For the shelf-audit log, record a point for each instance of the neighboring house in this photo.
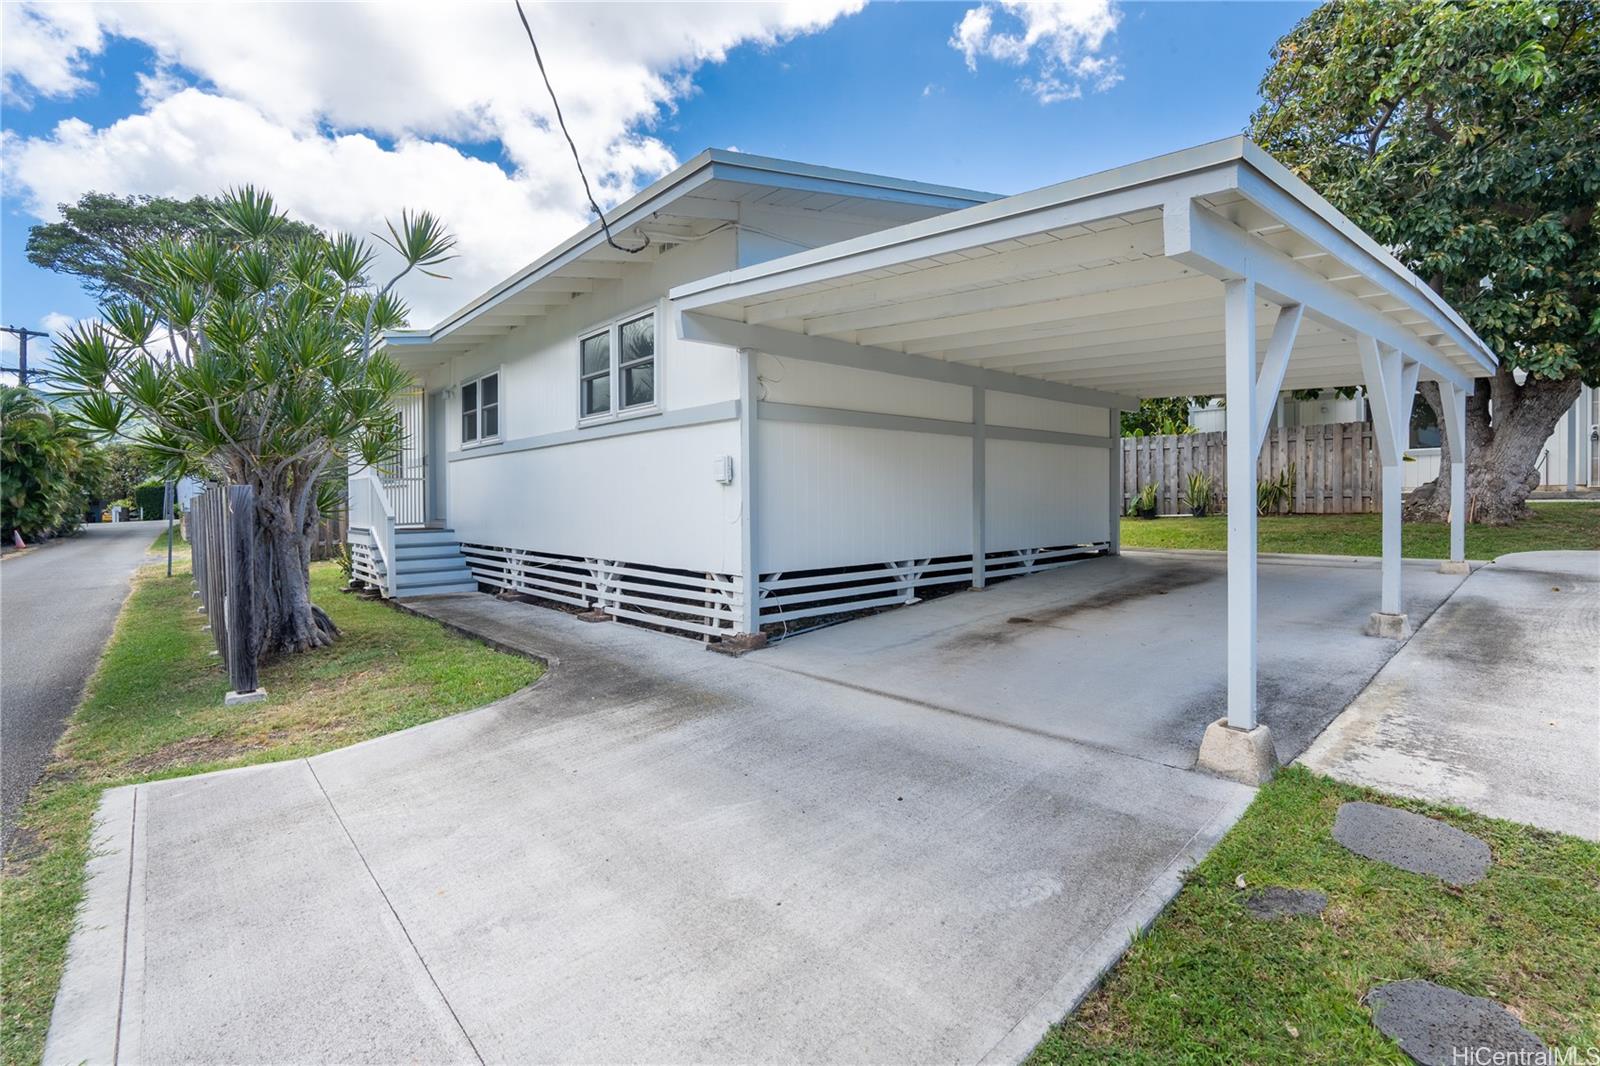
(855, 387)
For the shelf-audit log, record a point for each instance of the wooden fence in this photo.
(1336, 467)
(222, 532)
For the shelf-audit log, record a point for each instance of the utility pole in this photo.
(22, 334)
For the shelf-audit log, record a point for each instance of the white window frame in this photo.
(499, 405)
(612, 327)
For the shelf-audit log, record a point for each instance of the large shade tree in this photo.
(1463, 136)
(253, 359)
(96, 236)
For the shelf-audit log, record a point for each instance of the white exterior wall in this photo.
(647, 497)
(846, 495)
(1041, 495)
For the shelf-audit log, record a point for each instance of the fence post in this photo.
(239, 524)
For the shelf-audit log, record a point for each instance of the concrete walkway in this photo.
(1494, 705)
(58, 603)
(654, 854)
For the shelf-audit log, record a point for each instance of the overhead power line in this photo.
(604, 225)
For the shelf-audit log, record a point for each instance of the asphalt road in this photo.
(57, 607)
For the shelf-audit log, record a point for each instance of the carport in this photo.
(1212, 270)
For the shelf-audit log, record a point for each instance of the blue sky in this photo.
(882, 89)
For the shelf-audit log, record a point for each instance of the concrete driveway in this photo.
(661, 854)
(1494, 705)
(1127, 653)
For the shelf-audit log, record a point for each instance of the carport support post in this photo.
(749, 398)
(1239, 324)
(1391, 382)
(1238, 746)
(1114, 539)
(980, 471)
(1455, 427)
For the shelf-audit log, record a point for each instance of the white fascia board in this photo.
(1208, 242)
(1095, 196)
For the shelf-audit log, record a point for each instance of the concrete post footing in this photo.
(1455, 566)
(1243, 755)
(1388, 626)
(595, 615)
(739, 644)
(234, 699)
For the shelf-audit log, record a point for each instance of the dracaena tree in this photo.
(1463, 135)
(254, 358)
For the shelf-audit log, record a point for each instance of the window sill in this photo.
(618, 416)
(484, 442)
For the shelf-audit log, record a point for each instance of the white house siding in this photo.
(798, 381)
(1043, 495)
(1032, 412)
(832, 496)
(645, 498)
(1552, 462)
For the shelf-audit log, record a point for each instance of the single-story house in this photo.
(786, 391)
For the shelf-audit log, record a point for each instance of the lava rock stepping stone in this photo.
(1439, 1026)
(1270, 904)
(1411, 842)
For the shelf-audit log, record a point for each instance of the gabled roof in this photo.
(701, 195)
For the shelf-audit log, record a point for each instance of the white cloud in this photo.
(346, 111)
(1065, 39)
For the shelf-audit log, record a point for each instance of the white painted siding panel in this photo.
(642, 498)
(1031, 412)
(823, 385)
(1045, 494)
(839, 495)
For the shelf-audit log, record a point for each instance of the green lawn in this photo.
(1553, 525)
(1207, 984)
(154, 709)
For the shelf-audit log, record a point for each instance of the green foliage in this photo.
(247, 354)
(45, 467)
(1146, 503)
(1461, 135)
(98, 235)
(1200, 494)
(123, 469)
(1159, 416)
(151, 499)
(1276, 494)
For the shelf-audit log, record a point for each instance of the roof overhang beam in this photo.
(709, 329)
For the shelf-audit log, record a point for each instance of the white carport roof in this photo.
(1210, 270)
(1112, 282)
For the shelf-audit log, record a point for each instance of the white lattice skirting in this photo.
(708, 604)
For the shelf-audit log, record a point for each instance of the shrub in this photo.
(44, 462)
(151, 498)
(1276, 493)
(1145, 503)
(1201, 494)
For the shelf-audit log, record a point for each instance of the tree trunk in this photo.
(287, 620)
(1507, 424)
